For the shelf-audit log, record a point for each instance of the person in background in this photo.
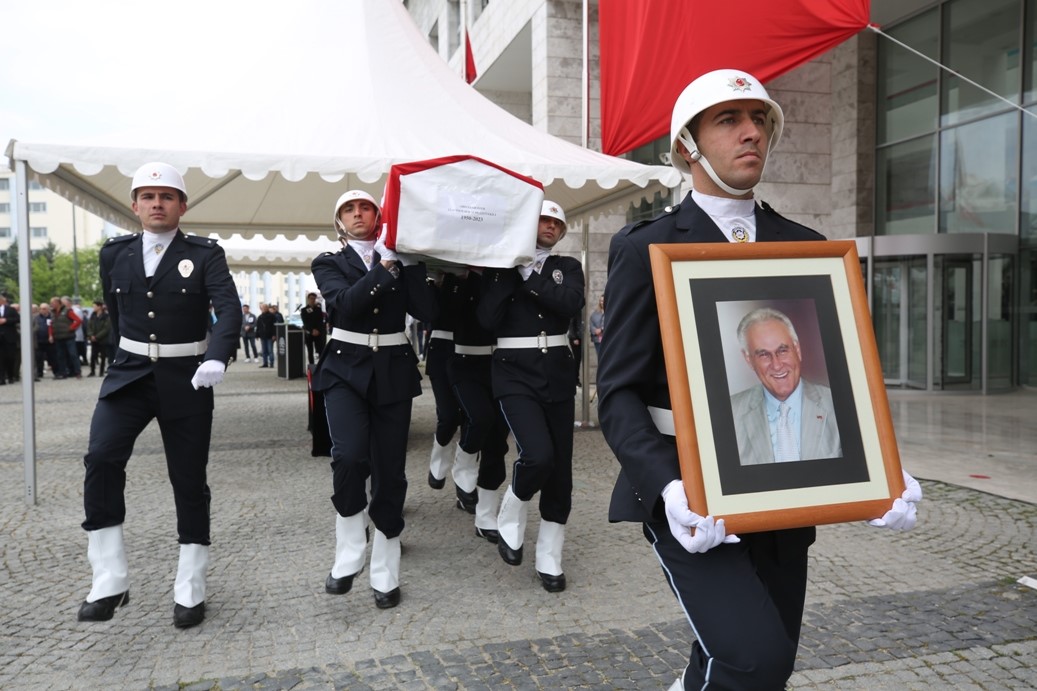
(64, 323)
(8, 341)
(597, 325)
(99, 330)
(266, 330)
(742, 595)
(44, 341)
(248, 334)
(313, 325)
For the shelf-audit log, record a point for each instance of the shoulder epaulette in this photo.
(668, 211)
(200, 241)
(770, 210)
(121, 238)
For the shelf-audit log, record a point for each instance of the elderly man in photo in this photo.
(785, 418)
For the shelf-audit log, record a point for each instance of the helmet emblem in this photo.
(554, 209)
(155, 175)
(739, 84)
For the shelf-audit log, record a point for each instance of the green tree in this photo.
(53, 275)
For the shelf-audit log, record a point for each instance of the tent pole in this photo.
(585, 250)
(28, 344)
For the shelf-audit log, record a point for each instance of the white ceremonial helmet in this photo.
(718, 86)
(157, 175)
(349, 196)
(552, 210)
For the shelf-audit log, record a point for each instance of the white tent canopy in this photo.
(357, 90)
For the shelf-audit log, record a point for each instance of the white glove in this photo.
(405, 259)
(708, 534)
(526, 270)
(904, 513)
(386, 254)
(209, 373)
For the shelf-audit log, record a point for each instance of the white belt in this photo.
(663, 419)
(372, 340)
(541, 341)
(157, 350)
(445, 335)
(473, 350)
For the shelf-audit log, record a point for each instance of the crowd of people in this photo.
(500, 348)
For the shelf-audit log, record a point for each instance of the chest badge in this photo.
(739, 234)
(186, 268)
(557, 276)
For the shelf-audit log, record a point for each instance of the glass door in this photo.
(901, 329)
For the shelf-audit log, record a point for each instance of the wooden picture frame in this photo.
(702, 291)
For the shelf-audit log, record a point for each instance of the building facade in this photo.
(933, 177)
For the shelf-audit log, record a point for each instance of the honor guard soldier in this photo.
(463, 467)
(368, 374)
(158, 286)
(529, 309)
(744, 598)
(484, 433)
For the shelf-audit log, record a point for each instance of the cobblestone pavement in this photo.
(939, 607)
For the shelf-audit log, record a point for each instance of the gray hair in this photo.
(763, 314)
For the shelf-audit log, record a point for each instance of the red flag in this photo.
(469, 60)
(651, 50)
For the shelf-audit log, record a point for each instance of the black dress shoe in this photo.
(103, 609)
(552, 584)
(487, 534)
(338, 586)
(509, 555)
(186, 617)
(466, 501)
(434, 482)
(387, 600)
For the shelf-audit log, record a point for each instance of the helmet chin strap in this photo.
(697, 157)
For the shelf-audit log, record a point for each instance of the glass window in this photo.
(978, 168)
(5, 231)
(5, 208)
(906, 187)
(646, 210)
(1031, 59)
(5, 183)
(33, 185)
(1028, 202)
(39, 231)
(907, 84)
(981, 41)
(38, 207)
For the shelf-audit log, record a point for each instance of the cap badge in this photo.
(739, 84)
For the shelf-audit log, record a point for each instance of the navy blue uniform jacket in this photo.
(170, 307)
(365, 301)
(631, 369)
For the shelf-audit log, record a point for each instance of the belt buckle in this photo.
(372, 341)
(542, 341)
(153, 351)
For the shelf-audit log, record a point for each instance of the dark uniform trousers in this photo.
(368, 391)
(375, 431)
(170, 307)
(483, 428)
(536, 387)
(744, 601)
(438, 353)
(118, 420)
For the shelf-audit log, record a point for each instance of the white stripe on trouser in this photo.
(189, 588)
(549, 548)
(350, 545)
(107, 557)
(385, 563)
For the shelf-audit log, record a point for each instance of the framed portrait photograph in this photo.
(779, 405)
